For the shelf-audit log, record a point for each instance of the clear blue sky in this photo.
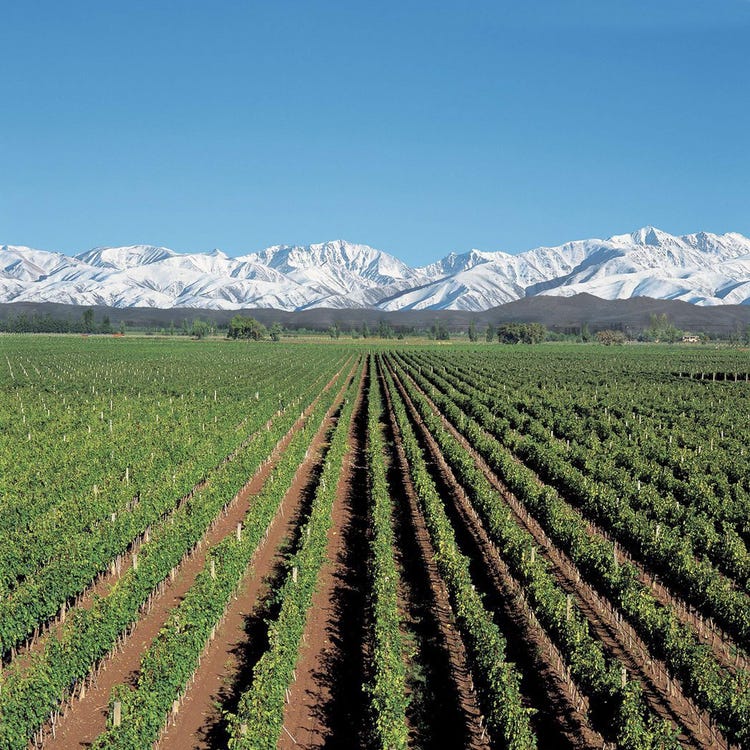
(418, 128)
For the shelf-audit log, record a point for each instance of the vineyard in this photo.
(223, 544)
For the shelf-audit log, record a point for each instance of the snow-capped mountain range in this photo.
(702, 268)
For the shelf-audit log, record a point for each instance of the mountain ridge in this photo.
(700, 268)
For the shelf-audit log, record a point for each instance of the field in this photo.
(362, 545)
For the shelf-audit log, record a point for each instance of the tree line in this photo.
(46, 323)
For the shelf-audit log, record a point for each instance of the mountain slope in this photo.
(701, 268)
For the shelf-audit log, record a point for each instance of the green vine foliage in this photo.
(29, 694)
(175, 654)
(129, 457)
(258, 721)
(724, 695)
(595, 675)
(387, 690)
(509, 721)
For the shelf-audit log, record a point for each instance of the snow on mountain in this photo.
(121, 258)
(727, 282)
(335, 269)
(648, 262)
(27, 264)
(701, 268)
(454, 263)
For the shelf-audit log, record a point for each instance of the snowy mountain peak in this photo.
(121, 258)
(647, 235)
(650, 236)
(332, 259)
(702, 268)
(457, 262)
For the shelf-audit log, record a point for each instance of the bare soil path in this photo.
(662, 694)
(84, 718)
(241, 638)
(443, 711)
(561, 719)
(327, 704)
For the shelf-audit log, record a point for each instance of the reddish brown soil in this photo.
(103, 582)
(728, 653)
(561, 719)
(199, 721)
(663, 695)
(725, 648)
(326, 704)
(446, 712)
(84, 719)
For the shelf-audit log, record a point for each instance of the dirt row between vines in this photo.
(241, 639)
(560, 719)
(85, 718)
(326, 703)
(616, 635)
(103, 582)
(444, 711)
(730, 655)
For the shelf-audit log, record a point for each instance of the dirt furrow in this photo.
(449, 682)
(241, 638)
(561, 719)
(102, 584)
(84, 717)
(327, 706)
(724, 647)
(664, 695)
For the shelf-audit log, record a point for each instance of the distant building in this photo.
(690, 339)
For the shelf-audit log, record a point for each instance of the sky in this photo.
(419, 128)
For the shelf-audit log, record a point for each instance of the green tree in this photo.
(241, 327)
(489, 334)
(200, 328)
(275, 331)
(87, 320)
(384, 330)
(521, 333)
(609, 337)
(439, 331)
(106, 325)
(473, 336)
